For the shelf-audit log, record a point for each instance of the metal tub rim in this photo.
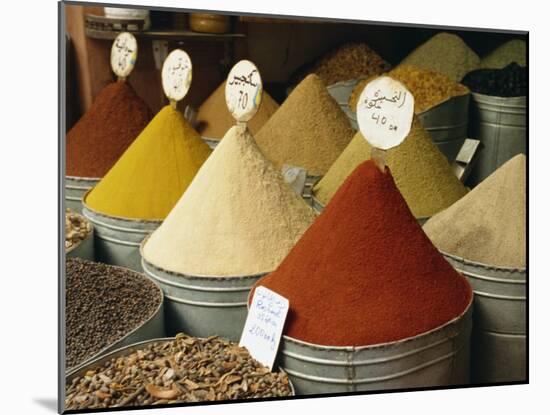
(78, 184)
(495, 98)
(124, 349)
(105, 351)
(195, 276)
(345, 84)
(318, 202)
(91, 180)
(395, 343)
(389, 354)
(467, 262)
(212, 143)
(317, 205)
(118, 218)
(210, 138)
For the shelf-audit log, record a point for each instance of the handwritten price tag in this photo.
(177, 73)
(384, 112)
(264, 325)
(243, 90)
(124, 54)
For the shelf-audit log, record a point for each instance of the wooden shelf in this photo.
(101, 27)
(189, 35)
(275, 20)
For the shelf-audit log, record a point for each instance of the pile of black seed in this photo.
(103, 304)
(510, 81)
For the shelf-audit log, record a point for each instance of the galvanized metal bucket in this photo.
(203, 306)
(317, 206)
(151, 328)
(117, 240)
(212, 143)
(501, 126)
(447, 124)
(307, 194)
(440, 357)
(341, 92)
(81, 370)
(75, 189)
(423, 220)
(84, 249)
(499, 344)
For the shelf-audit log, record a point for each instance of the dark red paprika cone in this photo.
(105, 131)
(365, 273)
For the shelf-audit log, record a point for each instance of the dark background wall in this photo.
(278, 47)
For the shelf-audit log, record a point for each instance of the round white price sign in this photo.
(385, 112)
(243, 90)
(177, 72)
(124, 54)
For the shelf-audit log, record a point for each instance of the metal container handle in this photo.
(466, 159)
(190, 115)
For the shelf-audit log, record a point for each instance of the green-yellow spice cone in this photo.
(421, 172)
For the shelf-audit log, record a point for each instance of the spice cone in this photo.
(347, 61)
(512, 51)
(105, 131)
(445, 53)
(149, 178)
(214, 119)
(365, 273)
(238, 217)
(421, 172)
(309, 130)
(488, 225)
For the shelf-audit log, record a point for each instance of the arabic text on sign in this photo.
(244, 79)
(378, 100)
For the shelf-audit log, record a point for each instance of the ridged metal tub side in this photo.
(501, 126)
(499, 339)
(203, 306)
(151, 328)
(75, 189)
(307, 193)
(85, 249)
(447, 124)
(117, 240)
(341, 92)
(91, 364)
(440, 357)
(317, 205)
(212, 142)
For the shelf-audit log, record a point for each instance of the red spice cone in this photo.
(365, 273)
(105, 131)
